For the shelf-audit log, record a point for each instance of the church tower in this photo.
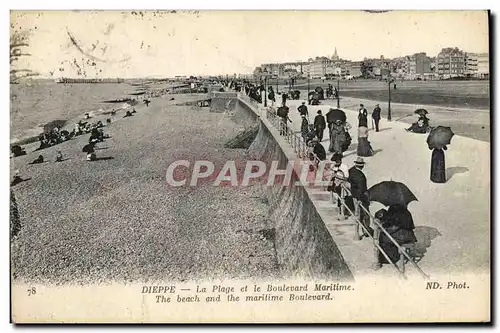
(335, 55)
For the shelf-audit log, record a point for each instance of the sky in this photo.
(149, 43)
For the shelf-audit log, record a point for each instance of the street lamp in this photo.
(338, 92)
(308, 84)
(389, 118)
(265, 89)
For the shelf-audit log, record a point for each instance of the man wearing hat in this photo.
(376, 116)
(338, 176)
(303, 110)
(359, 192)
(319, 125)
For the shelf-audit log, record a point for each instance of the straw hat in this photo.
(359, 161)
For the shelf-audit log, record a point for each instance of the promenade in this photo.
(452, 220)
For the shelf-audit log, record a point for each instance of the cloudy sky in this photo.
(126, 44)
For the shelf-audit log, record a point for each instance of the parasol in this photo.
(89, 148)
(391, 193)
(421, 112)
(334, 115)
(439, 137)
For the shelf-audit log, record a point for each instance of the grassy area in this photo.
(457, 94)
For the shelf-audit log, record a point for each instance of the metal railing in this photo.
(299, 145)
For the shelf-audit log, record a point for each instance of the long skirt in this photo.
(402, 236)
(438, 169)
(364, 147)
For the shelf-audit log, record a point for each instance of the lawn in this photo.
(457, 94)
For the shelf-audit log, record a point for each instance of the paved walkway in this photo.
(472, 123)
(452, 218)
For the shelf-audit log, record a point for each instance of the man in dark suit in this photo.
(303, 110)
(359, 192)
(376, 116)
(319, 125)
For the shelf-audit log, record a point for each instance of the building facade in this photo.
(355, 69)
(483, 65)
(451, 63)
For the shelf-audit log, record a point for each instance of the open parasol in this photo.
(439, 137)
(88, 148)
(421, 112)
(391, 193)
(335, 114)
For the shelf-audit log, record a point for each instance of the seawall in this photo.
(304, 246)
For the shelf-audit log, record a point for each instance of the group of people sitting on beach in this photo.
(56, 136)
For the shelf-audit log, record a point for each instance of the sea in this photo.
(34, 103)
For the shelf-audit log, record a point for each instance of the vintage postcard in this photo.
(181, 166)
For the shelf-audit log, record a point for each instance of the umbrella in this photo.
(421, 112)
(391, 193)
(89, 148)
(439, 137)
(334, 115)
(318, 90)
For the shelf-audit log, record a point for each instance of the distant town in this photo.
(448, 64)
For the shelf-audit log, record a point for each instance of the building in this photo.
(451, 63)
(318, 67)
(335, 56)
(483, 65)
(471, 64)
(355, 69)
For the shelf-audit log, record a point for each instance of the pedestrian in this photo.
(376, 116)
(362, 116)
(304, 127)
(398, 222)
(317, 153)
(283, 114)
(319, 125)
(364, 147)
(303, 110)
(359, 192)
(337, 137)
(271, 96)
(438, 168)
(337, 175)
(283, 99)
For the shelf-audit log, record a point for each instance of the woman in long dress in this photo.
(337, 137)
(304, 127)
(438, 168)
(399, 224)
(364, 147)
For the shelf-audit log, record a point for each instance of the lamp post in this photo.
(265, 90)
(308, 85)
(389, 118)
(338, 92)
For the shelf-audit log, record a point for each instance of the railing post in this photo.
(342, 201)
(376, 235)
(402, 258)
(357, 215)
